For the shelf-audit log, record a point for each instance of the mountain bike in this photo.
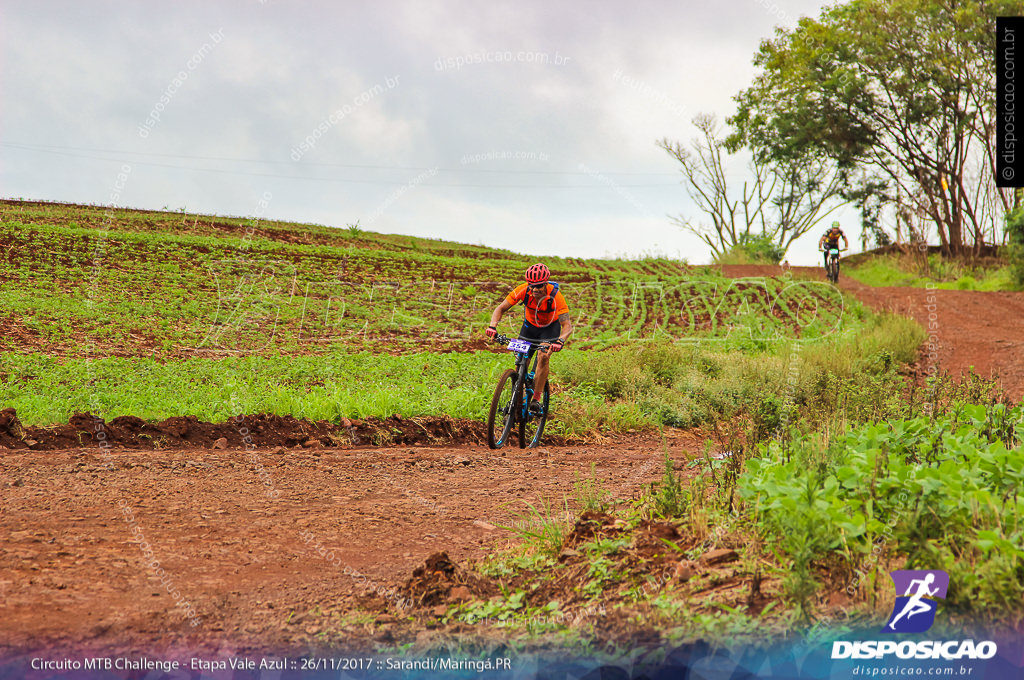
(510, 404)
(832, 268)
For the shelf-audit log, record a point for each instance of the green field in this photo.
(930, 271)
(162, 314)
(817, 522)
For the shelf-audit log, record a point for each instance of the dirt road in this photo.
(967, 329)
(239, 551)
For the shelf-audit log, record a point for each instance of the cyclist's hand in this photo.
(556, 345)
(491, 332)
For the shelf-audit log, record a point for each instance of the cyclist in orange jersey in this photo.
(546, 321)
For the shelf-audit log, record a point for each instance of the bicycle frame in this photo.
(524, 375)
(512, 407)
(832, 264)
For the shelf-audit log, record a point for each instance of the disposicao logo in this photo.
(914, 612)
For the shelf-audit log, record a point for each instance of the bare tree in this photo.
(779, 200)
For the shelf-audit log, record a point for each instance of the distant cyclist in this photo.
(546, 321)
(831, 238)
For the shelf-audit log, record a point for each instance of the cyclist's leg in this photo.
(541, 377)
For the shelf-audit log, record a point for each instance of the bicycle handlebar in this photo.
(504, 340)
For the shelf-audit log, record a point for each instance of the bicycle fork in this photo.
(526, 377)
(527, 394)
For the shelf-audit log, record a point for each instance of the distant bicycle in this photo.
(510, 404)
(832, 266)
(829, 243)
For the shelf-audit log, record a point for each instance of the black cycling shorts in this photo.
(547, 333)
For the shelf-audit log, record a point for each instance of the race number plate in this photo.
(833, 251)
(518, 346)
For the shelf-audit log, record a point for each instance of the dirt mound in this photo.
(259, 430)
(603, 564)
(653, 540)
(439, 581)
(590, 525)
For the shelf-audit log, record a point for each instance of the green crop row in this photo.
(228, 228)
(154, 293)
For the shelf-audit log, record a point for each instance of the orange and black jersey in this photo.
(832, 237)
(544, 313)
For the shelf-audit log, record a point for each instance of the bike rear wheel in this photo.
(532, 427)
(502, 415)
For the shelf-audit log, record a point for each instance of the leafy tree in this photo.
(897, 89)
(1015, 247)
(780, 201)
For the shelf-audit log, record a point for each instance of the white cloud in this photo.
(77, 75)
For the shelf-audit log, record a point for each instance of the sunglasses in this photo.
(538, 286)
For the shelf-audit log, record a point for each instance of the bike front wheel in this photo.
(502, 415)
(532, 427)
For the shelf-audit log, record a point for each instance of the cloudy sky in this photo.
(524, 125)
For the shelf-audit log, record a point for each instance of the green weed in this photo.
(933, 271)
(589, 494)
(671, 500)
(544, 529)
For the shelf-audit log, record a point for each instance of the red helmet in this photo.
(538, 273)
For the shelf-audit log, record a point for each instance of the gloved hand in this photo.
(556, 345)
(491, 332)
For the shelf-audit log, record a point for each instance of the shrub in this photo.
(751, 249)
(941, 493)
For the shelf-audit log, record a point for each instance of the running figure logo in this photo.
(912, 613)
